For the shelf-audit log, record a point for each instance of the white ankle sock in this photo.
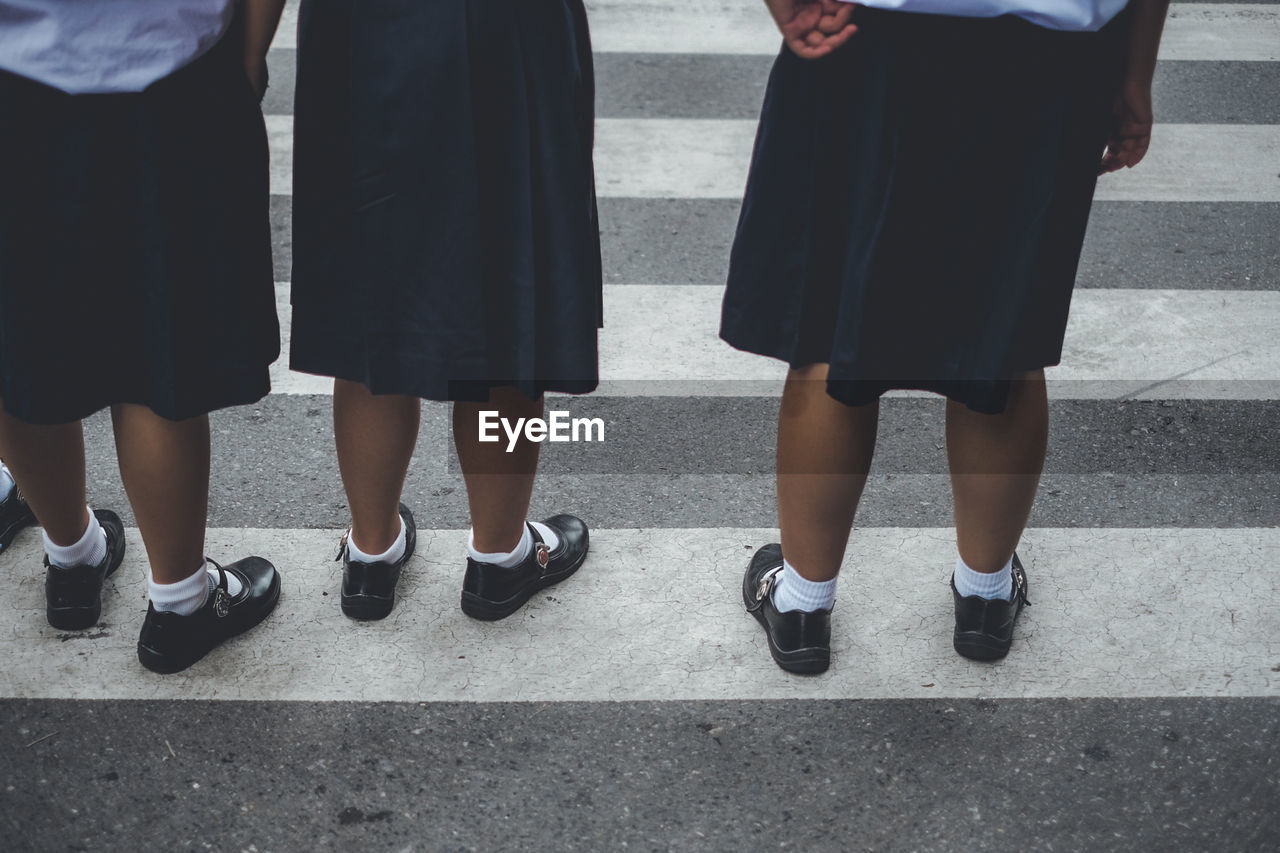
(997, 584)
(187, 596)
(6, 482)
(89, 551)
(521, 551)
(792, 592)
(391, 555)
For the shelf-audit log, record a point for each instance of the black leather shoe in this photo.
(171, 643)
(14, 515)
(984, 627)
(491, 592)
(799, 641)
(73, 597)
(369, 589)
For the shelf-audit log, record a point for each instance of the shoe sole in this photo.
(978, 646)
(808, 661)
(81, 618)
(366, 608)
(166, 665)
(491, 611)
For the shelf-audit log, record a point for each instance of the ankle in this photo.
(88, 550)
(989, 585)
(182, 597)
(392, 553)
(503, 559)
(791, 591)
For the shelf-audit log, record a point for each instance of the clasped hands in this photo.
(813, 28)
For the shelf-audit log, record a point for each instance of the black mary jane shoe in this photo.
(170, 642)
(984, 626)
(73, 597)
(14, 515)
(369, 589)
(491, 592)
(799, 641)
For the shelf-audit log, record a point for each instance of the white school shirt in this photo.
(99, 46)
(1054, 14)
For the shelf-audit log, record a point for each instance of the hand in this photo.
(1131, 121)
(813, 28)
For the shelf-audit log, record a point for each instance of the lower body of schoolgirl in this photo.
(135, 275)
(913, 219)
(446, 247)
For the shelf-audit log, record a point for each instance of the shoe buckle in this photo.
(767, 581)
(543, 554)
(342, 546)
(221, 603)
(1020, 581)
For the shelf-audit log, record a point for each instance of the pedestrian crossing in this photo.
(1152, 553)
(656, 615)
(708, 159)
(660, 341)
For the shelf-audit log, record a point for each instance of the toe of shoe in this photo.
(571, 530)
(114, 528)
(262, 580)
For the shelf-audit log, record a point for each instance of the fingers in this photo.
(815, 45)
(820, 28)
(835, 16)
(1125, 149)
(836, 40)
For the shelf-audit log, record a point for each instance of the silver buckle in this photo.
(767, 581)
(543, 552)
(221, 603)
(1020, 582)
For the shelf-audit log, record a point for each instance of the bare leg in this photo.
(376, 435)
(996, 462)
(164, 465)
(824, 456)
(48, 463)
(499, 484)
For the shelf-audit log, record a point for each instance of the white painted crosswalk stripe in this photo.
(708, 158)
(1242, 32)
(656, 615)
(1150, 344)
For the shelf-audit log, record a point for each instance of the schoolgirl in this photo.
(135, 274)
(913, 219)
(445, 248)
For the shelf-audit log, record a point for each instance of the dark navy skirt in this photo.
(135, 246)
(917, 203)
(445, 230)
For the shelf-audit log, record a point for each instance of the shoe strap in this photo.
(764, 586)
(221, 598)
(1020, 584)
(541, 552)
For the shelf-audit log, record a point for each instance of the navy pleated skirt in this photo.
(135, 246)
(445, 229)
(917, 203)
